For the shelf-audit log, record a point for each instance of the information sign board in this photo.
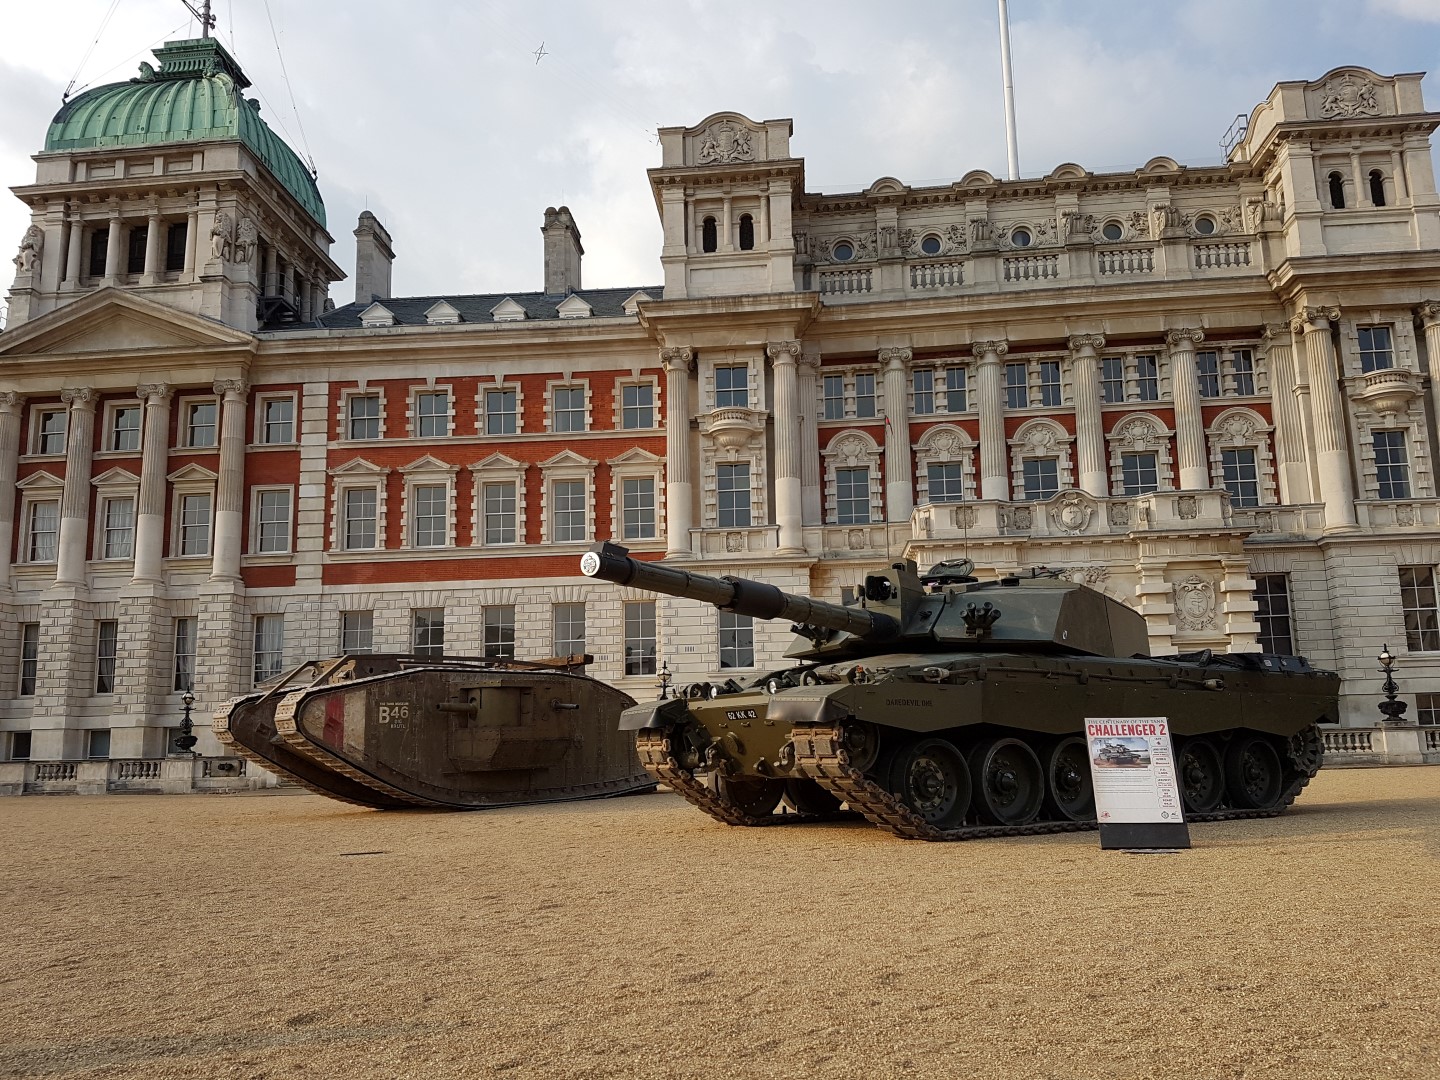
(1137, 794)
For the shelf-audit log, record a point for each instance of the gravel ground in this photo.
(288, 936)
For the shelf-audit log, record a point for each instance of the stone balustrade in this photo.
(171, 775)
(1383, 744)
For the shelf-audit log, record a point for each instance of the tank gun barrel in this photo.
(611, 562)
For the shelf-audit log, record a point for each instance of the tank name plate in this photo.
(910, 702)
(1127, 729)
(393, 713)
(741, 714)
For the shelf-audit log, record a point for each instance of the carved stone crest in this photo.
(1188, 507)
(1348, 96)
(725, 142)
(855, 539)
(734, 542)
(1195, 603)
(965, 517)
(1119, 513)
(1404, 514)
(1139, 225)
(1072, 512)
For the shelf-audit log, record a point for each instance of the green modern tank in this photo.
(943, 708)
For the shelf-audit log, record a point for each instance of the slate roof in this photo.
(410, 310)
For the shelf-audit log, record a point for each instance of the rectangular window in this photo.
(200, 420)
(29, 657)
(357, 631)
(567, 513)
(1016, 393)
(500, 412)
(733, 495)
(97, 743)
(175, 237)
(567, 629)
(272, 522)
(430, 522)
(135, 253)
(125, 428)
(499, 513)
(1112, 379)
(1417, 602)
(1041, 477)
(499, 623)
(362, 416)
(1392, 467)
(119, 539)
(1427, 713)
(640, 638)
(20, 746)
(946, 482)
(1377, 351)
(107, 635)
(637, 406)
(852, 496)
(1207, 370)
(269, 646)
(184, 654)
(358, 527)
(195, 525)
(638, 505)
(1240, 476)
(567, 408)
(1242, 372)
(864, 395)
(99, 248)
(737, 640)
(834, 388)
(50, 437)
(277, 423)
(432, 414)
(428, 632)
(1050, 383)
(732, 387)
(1272, 594)
(955, 390)
(1138, 473)
(1147, 378)
(924, 381)
(43, 531)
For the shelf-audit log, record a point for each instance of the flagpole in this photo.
(1009, 92)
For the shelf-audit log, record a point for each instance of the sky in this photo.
(438, 118)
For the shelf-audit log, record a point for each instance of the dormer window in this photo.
(747, 233)
(1337, 191)
(1377, 187)
(709, 240)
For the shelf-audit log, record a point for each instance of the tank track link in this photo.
(220, 725)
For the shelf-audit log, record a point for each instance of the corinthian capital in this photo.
(78, 397)
(896, 357)
(1184, 338)
(1314, 318)
(679, 358)
(159, 391)
(1428, 312)
(1080, 343)
(997, 349)
(782, 351)
(225, 387)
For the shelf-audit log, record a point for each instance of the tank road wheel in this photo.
(931, 779)
(1202, 779)
(1069, 791)
(808, 797)
(1252, 773)
(1009, 783)
(861, 742)
(755, 797)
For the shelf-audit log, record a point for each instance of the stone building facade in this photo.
(1206, 391)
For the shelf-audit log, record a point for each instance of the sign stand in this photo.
(1137, 795)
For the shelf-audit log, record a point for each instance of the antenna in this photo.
(1009, 92)
(207, 21)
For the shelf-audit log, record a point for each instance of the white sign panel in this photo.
(1133, 768)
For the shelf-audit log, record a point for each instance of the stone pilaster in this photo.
(812, 497)
(150, 513)
(1189, 426)
(1291, 463)
(230, 490)
(1094, 472)
(788, 485)
(1428, 316)
(899, 482)
(679, 491)
(990, 383)
(11, 404)
(1332, 455)
(75, 503)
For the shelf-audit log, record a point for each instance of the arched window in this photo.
(707, 235)
(1377, 187)
(747, 233)
(1337, 191)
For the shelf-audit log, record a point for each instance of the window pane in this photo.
(1241, 479)
(195, 525)
(44, 531)
(279, 420)
(360, 518)
(357, 631)
(428, 638)
(119, 540)
(500, 632)
(432, 415)
(125, 432)
(569, 629)
(362, 419)
(1376, 349)
(52, 432)
(637, 405)
(1147, 380)
(733, 495)
(184, 654)
(200, 423)
(273, 522)
(568, 510)
(1112, 379)
(107, 633)
(269, 646)
(1139, 474)
(737, 640)
(852, 496)
(1041, 477)
(924, 384)
(1273, 595)
(946, 482)
(834, 390)
(638, 497)
(431, 523)
(640, 638)
(864, 395)
(1016, 394)
(568, 408)
(499, 513)
(1392, 468)
(500, 412)
(1049, 382)
(1242, 372)
(29, 657)
(97, 745)
(732, 387)
(1417, 602)
(955, 390)
(1207, 370)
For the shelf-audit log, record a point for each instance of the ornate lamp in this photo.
(664, 684)
(185, 741)
(1393, 710)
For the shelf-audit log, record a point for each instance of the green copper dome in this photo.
(195, 96)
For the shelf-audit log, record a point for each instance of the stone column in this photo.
(813, 498)
(1428, 316)
(230, 491)
(192, 240)
(788, 487)
(990, 383)
(150, 513)
(1291, 463)
(153, 249)
(75, 502)
(899, 473)
(11, 405)
(74, 251)
(1332, 454)
(114, 249)
(1189, 426)
(679, 494)
(1094, 472)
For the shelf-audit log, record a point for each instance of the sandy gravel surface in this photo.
(229, 936)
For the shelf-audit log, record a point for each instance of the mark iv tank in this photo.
(942, 708)
(391, 731)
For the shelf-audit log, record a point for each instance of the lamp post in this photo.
(664, 684)
(185, 741)
(1393, 710)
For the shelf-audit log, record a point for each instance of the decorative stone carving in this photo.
(1022, 517)
(1187, 507)
(981, 349)
(1405, 514)
(850, 451)
(1318, 318)
(1167, 220)
(1174, 337)
(1119, 514)
(980, 232)
(222, 237)
(955, 237)
(81, 396)
(1139, 225)
(1231, 219)
(1089, 575)
(900, 355)
(965, 517)
(734, 541)
(855, 539)
(777, 349)
(1080, 342)
(10, 401)
(1195, 603)
(948, 444)
(681, 358)
(1237, 427)
(1072, 512)
(1348, 96)
(723, 142)
(146, 391)
(1079, 226)
(247, 241)
(230, 386)
(31, 244)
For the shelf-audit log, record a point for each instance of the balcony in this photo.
(1386, 392)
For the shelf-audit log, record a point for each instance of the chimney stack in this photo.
(373, 257)
(562, 252)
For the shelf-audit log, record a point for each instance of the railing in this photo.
(1432, 740)
(1222, 256)
(227, 768)
(1110, 262)
(54, 770)
(137, 770)
(1032, 267)
(936, 275)
(1347, 742)
(836, 282)
(1396, 514)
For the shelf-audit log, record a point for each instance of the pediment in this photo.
(116, 477)
(194, 474)
(428, 463)
(442, 313)
(636, 456)
(634, 300)
(115, 322)
(573, 307)
(507, 310)
(41, 481)
(376, 315)
(567, 457)
(358, 467)
(498, 462)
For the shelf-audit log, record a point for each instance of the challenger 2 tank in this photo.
(393, 731)
(943, 708)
